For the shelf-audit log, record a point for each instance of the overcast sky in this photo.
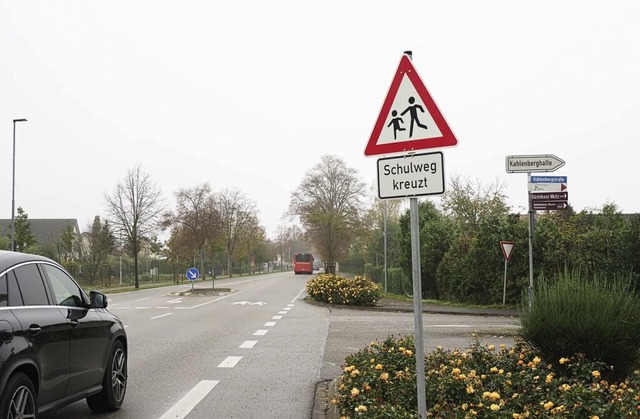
(250, 94)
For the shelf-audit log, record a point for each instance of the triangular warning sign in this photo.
(409, 119)
(507, 248)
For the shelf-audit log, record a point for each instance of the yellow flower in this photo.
(355, 392)
(494, 369)
(549, 378)
(594, 417)
(495, 407)
(596, 374)
(491, 347)
(503, 346)
(563, 361)
(548, 405)
(536, 360)
(455, 371)
(361, 408)
(355, 373)
(384, 376)
(565, 387)
(470, 390)
(379, 366)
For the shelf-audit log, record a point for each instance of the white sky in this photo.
(250, 94)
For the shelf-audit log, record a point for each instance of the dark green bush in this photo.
(591, 316)
(337, 289)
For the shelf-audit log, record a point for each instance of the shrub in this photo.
(482, 381)
(337, 289)
(597, 318)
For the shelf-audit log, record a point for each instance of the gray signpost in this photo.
(539, 163)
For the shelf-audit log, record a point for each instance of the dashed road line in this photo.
(230, 362)
(269, 324)
(260, 332)
(248, 344)
(162, 315)
(186, 404)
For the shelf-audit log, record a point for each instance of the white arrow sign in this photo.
(259, 303)
(535, 163)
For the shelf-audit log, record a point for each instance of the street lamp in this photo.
(13, 186)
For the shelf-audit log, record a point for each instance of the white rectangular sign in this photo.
(411, 175)
(535, 163)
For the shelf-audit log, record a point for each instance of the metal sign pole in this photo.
(531, 220)
(417, 307)
(504, 287)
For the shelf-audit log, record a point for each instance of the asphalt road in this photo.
(257, 351)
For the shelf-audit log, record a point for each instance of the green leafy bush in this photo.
(591, 316)
(480, 382)
(337, 289)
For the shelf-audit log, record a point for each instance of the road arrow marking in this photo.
(259, 303)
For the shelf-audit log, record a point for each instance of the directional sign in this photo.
(192, 274)
(548, 179)
(547, 206)
(549, 196)
(535, 163)
(547, 187)
(411, 175)
(409, 119)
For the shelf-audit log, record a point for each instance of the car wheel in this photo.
(19, 398)
(114, 384)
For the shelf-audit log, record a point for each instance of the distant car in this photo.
(57, 345)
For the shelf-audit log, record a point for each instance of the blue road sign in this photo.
(192, 274)
(548, 179)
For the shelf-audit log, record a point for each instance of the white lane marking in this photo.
(163, 308)
(296, 297)
(142, 299)
(175, 301)
(290, 305)
(286, 309)
(282, 312)
(276, 318)
(269, 324)
(248, 344)
(186, 404)
(208, 302)
(230, 362)
(162, 315)
(260, 332)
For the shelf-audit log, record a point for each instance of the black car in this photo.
(57, 345)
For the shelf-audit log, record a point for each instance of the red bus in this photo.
(302, 263)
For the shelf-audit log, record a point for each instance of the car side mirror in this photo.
(98, 299)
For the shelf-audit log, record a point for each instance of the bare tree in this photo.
(197, 214)
(236, 211)
(329, 203)
(133, 208)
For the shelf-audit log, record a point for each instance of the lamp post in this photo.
(13, 186)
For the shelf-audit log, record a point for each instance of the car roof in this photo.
(9, 259)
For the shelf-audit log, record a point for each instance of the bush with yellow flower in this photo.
(481, 382)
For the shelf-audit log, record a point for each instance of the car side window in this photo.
(31, 285)
(4, 297)
(65, 291)
(13, 291)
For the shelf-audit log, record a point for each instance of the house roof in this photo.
(45, 230)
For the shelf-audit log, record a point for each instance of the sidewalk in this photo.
(389, 304)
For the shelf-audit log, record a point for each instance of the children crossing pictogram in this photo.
(409, 119)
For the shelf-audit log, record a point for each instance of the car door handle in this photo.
(34, 329)
(74, 323)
